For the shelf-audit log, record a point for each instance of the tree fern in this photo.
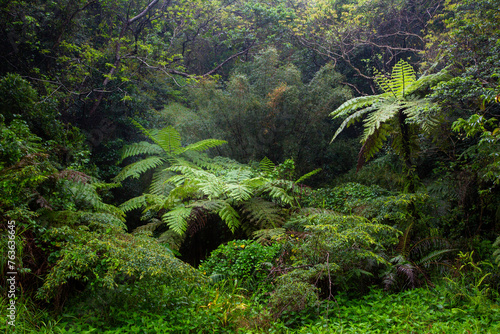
(397, 102)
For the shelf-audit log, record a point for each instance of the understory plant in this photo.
(243, 260)
(334, 252)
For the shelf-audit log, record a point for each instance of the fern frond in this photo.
(264, 236)
(155, 202)
(172, 239)
(372, 145)
(87, 193)
(308, 175)
(140, 148)
(263, 213)
(134, 203)
(210, 185)
(145, 132)
(266, 166)
(104, 220)
(419, 112)
(433, 257)
(159, 184)
(277, 193)
(428, 81)
(202, 145)
(209, 205)
(177, 219)
(402, 77)
(229, 215)
(136, 169)
(169, 140)
(352, 105)
(381, 115)
(351, 119)
(237, 191)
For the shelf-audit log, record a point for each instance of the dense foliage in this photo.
(168, 166)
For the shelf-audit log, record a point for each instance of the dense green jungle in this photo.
(250, 166)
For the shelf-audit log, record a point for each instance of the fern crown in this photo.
(399, 96)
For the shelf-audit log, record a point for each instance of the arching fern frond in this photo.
(238, 191)
(137, 168)
(262, 213)
(351, 119)
(134, 203)
(308, 175)
(278, 193)
(427, 81)
(373, 144)
(229, 215)
(352, 105)
(140, 148)
(177, 219)
(383, 113)
(169, 140)
(159, 184)
(202, 145)
(402, 77)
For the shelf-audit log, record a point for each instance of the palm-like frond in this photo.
(159, 185)
(398, 98)
(202, 145)
(428, 81)
(373, 144)
(278, 193)
(262, 213)
(266, 166)
(383, 113)
(352, 105)
(140, 148)
(136, 169)
(177, 219)
(229, 215)
(308, 175)
(402, 78)
(238, 191)
(169, 140)
(352, 119)
(134, 203)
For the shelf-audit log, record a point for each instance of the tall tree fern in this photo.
(398, 112)
(242, 197)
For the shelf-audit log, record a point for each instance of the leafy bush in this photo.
(334, 252)
(241, 259)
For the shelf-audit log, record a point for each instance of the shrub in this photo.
(240, 259)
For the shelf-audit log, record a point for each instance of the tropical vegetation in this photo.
(169, 167)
